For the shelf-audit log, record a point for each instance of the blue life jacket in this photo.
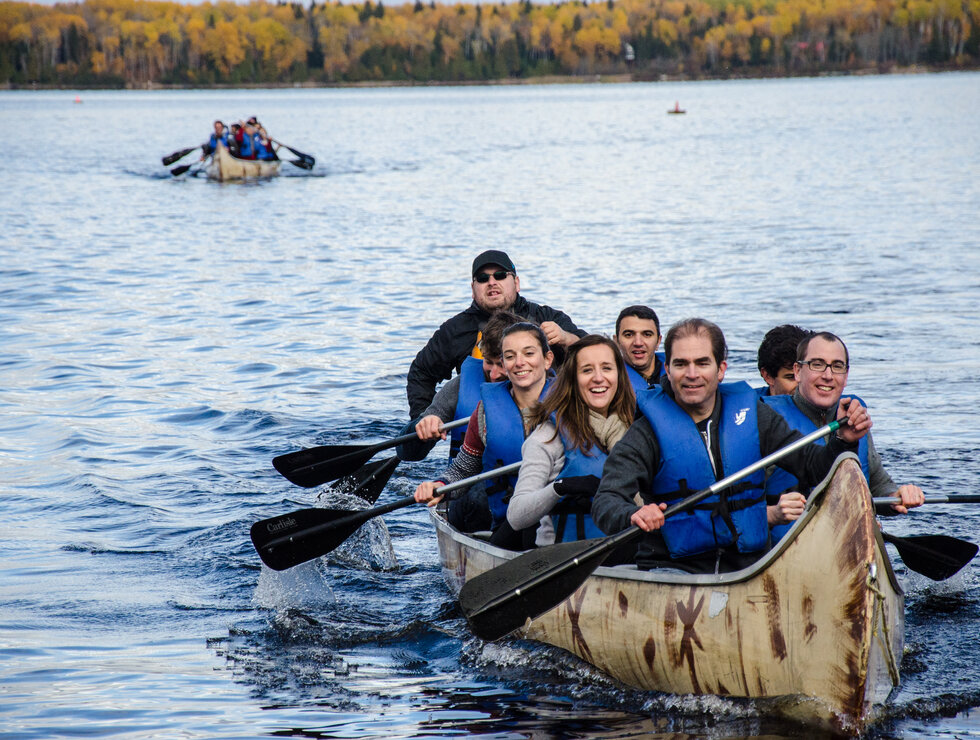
(780, 481)
(213, 141)
(685, 468)
(638, 381)
(505, 436)
(578, 525)
(247, 148)
(261, 150)
(763, 391)
(471, 377)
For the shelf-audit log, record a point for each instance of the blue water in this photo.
(163, 338)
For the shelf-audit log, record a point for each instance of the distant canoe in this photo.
(225, 167)
(818, 622)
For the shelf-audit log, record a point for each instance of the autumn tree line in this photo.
(117, 43)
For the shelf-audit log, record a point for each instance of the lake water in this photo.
(163, 338)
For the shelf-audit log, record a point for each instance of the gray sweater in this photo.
(534, 495)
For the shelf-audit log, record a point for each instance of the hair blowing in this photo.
(570, 409)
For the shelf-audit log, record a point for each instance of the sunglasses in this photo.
(498, 275)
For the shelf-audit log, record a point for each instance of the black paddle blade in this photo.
(304, 157)
(499, 601)
(171, 158)
(301, 163)
(318, 465)
(935, 556)
(369, 481)
(178, 171)
(303, 546)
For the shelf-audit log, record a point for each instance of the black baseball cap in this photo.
(493, 257)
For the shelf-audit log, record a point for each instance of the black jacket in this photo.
(453, 342)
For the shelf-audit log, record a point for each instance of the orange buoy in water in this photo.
(677, 108)
(78, 98)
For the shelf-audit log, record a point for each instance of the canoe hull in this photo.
(225, 167)
(819, 620)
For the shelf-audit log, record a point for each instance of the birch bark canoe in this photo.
(818, 621)
(225, 167)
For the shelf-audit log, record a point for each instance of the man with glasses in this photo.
(495, 287)
(822, 364)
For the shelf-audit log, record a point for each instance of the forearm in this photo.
(431, 365)
(880, 483)
(464, 465)
(444, 403)
(628, 470)
(419, 388)
(534, 495)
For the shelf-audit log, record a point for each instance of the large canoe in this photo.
(819, 621)
(225, 167)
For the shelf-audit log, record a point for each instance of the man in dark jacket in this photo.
(496, 287)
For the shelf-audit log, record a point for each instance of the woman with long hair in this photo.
(496, 431)
(588, 409)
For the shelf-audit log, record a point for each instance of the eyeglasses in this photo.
(818, 366)
(498, 275)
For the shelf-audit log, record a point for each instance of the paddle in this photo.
(369, 481)
(180, 154)
(317, 465)
(291, 539)
(178, 171)
(502, 599)
(305, 161)
(935, 556)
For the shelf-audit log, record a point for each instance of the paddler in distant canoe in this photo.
(218, 136)
(692, 433)
(821, 370)
(496, 287)
(494, 436)
(458, 397)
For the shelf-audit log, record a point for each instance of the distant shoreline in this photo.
(540, 80)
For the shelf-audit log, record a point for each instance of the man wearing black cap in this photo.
(495, 288)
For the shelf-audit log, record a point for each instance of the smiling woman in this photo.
(586, 412)
(494, 435)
